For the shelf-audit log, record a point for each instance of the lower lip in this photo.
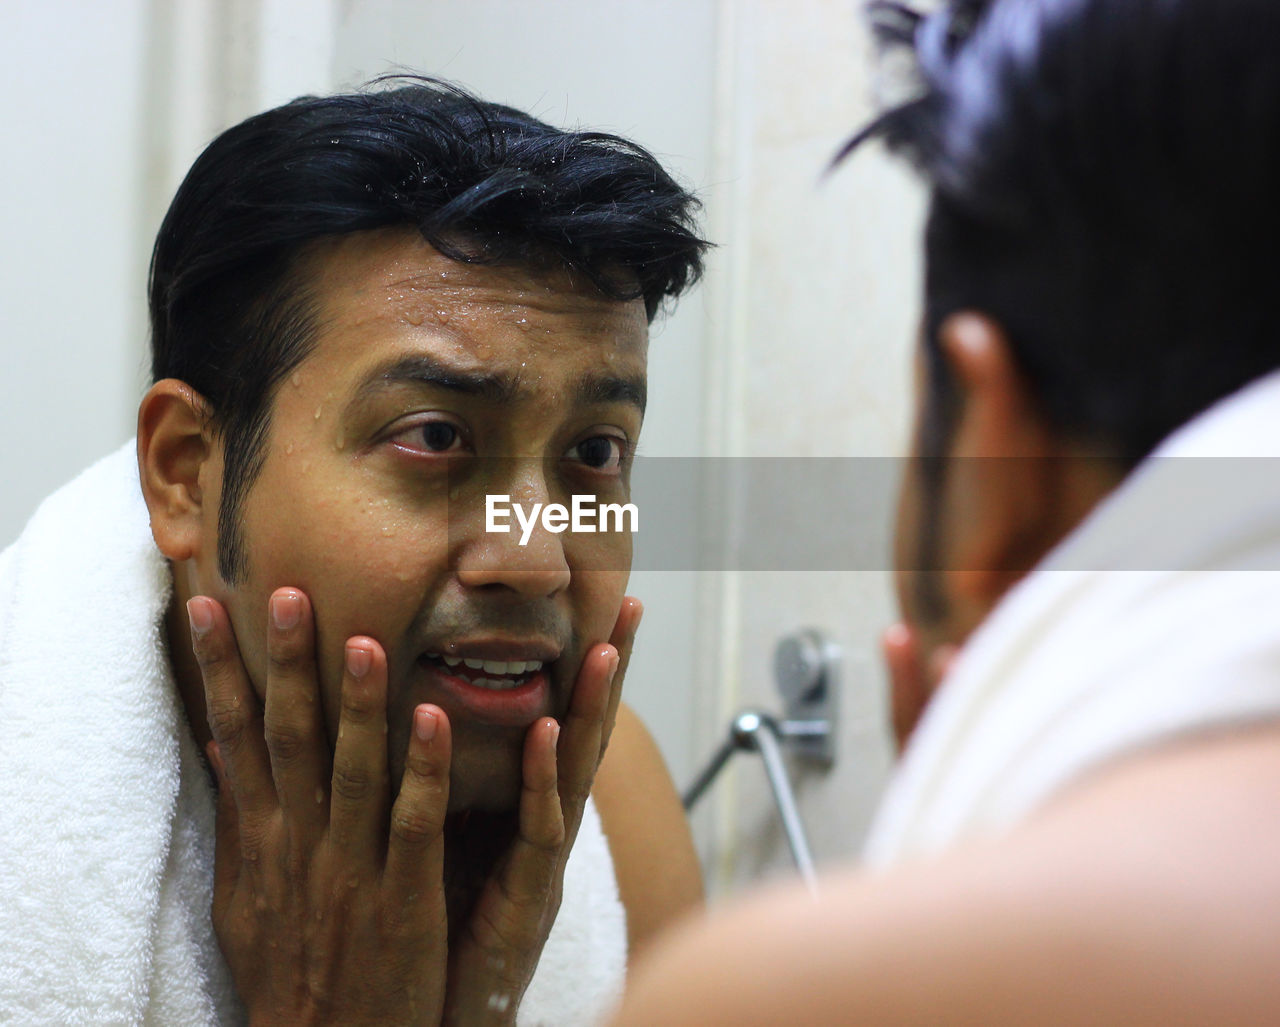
(517, 706)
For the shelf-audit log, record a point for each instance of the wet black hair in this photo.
(1104, 182)
(231, 312)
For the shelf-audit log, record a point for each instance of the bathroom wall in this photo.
(71, 291)
(814, 313)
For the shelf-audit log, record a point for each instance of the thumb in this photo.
(908, 690)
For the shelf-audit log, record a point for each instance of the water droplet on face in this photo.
(296, 378)
(317, 413)
(319, 795)
(414, 317)
(455, 492)
(341, 443)
(387, 530)
(288, 450)
(442, 316)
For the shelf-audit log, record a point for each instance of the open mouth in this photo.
(494, 675)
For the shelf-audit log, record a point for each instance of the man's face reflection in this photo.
(371, 494)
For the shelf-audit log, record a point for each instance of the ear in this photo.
(1002, 479)
(175, 444)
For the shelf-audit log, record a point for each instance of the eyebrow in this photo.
(424, 370)
(497, 387)
(608, 388)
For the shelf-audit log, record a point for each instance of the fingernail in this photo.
(286, 610)
(555, 732)
(424, 723)
(613, 665)
(359, 660)
(200, 616)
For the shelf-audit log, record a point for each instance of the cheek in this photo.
(367, 565)
(597, 602)
(338, 535)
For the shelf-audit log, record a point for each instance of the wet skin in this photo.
(378, 459)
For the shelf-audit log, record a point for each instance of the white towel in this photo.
(1157, 617)
(106, 817)
(106, 814)
(584, 962)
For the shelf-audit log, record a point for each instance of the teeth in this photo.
(492, 685)
(503, 668)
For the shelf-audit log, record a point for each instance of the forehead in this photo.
(390, 289)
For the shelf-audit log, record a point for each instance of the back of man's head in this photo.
(1103, 182)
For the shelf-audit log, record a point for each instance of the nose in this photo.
(498, 559)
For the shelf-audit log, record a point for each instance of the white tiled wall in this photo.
(818, 312)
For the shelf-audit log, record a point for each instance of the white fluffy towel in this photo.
(1157, 617)
(106, 817)
(106, 814)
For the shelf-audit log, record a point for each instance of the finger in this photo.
(940, 664)
(908, 692)
(415, 850)
(623, 639)
(509, 914)
(235, 717)
(578, 753)
(293, 723)
(358, 806)
(541, 827)
(226, 851)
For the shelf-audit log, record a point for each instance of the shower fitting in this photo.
(806, 666)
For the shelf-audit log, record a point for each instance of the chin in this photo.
(487, 781)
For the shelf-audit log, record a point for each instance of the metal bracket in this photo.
(807, 667)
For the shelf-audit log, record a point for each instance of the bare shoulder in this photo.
(1148, 895)
(659, 879)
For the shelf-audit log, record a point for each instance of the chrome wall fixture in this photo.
(806, 666)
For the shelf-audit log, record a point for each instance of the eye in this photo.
(600, 452)
(435, 436)
(439, 436)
